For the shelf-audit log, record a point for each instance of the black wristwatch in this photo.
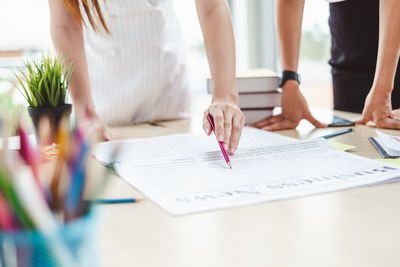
(289, 75)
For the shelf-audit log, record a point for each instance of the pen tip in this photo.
(230, 165)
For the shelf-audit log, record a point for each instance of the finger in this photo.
(281, 125)
(314, 121)
(396, 113)
(107, 134)
(274, 119)
(362, 120)
(267, 121)
(258, 124)
(388, 124)
(237, 127)
(228, 115)
(206, 126)
(218, 117)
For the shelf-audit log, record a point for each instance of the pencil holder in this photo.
(72, 245)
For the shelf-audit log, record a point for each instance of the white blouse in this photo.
(138, 72)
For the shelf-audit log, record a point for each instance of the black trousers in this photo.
(354, 27)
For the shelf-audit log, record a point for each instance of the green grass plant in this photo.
(45, 82)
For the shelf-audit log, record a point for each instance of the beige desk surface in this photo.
(357, 227)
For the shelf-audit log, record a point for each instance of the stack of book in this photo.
(258, 93)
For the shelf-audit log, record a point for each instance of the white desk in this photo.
(357, 227)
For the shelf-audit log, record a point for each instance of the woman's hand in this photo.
(102, 131)
(294, 109)
(91, 123)
(96, 129)
(378, 109)
(229, 122)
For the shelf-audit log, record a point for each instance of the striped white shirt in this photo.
(138, 72)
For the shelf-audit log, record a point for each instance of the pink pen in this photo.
(221, 144)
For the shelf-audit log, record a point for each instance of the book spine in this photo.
(253, 115)
(260, 100)
(252, 85)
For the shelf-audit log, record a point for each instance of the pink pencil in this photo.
(27, 153)
(6, 219)
(221, 144)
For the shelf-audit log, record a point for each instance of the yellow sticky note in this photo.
(390, 161)
(341, 146)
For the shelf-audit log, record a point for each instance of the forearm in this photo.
(288, 20)
(80, 86)
(389, 45)
(216, 25)
(67, 38)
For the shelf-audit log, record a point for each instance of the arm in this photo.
(378, 105)
(294, 106)
(67, 38)
(215, 21)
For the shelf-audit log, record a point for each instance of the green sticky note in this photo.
(390, 161)
(341, 146)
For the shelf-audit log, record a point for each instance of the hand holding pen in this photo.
(229, 121)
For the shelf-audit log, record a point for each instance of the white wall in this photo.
(254, 23)
(24, 24)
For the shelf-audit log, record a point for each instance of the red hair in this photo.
(92, 10)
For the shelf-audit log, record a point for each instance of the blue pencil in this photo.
(112, 201)
(75, 191)
(336, 133)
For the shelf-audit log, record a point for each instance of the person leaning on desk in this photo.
(363, 68)
(130, 64)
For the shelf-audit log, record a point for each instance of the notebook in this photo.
(384, 151)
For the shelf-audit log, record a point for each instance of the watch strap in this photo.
(289, 75)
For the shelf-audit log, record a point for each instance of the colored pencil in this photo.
(28, 203)
(7, 188)
(6, 218)
(336, 133)
(74, 194)
(62, 139)
(112, 201)
(28, 154)
(221, 144)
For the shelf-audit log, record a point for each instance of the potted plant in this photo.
(45, 85)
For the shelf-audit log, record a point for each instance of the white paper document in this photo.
(178, 144)
(390, 143)
(197, 182)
